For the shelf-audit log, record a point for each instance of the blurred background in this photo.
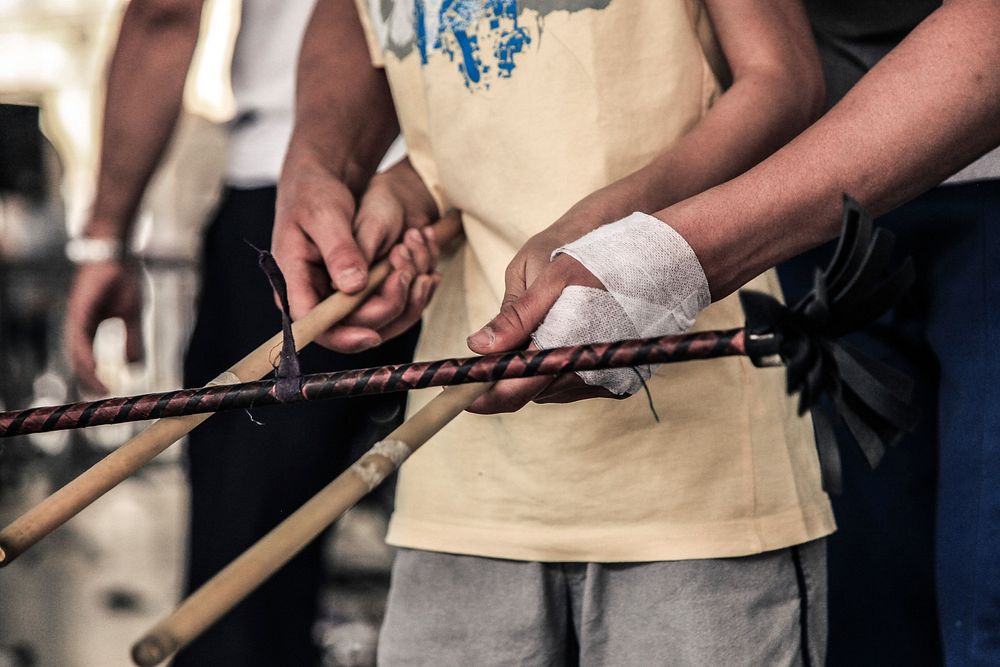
(81, 597)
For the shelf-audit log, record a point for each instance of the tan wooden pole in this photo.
(241, 577)
(104, 475)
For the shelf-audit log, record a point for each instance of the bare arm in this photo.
(927, 109)
(777, 91)
(325, 234)
(344, 123)
(145, 90)
(344, 116)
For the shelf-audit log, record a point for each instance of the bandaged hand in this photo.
(653, 286)
(633, 278)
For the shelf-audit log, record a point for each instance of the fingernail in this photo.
(406, 278)
(370, 343)
(413, 235)
(350, 279)
(483, 338)
(405, 252)
(423, 287)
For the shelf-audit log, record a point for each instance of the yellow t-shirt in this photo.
(512, 112)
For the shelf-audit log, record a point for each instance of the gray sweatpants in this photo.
(448, 610)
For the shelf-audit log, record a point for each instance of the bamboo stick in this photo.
(241, 577)
(110, 471)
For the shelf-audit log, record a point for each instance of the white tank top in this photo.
(263, 73)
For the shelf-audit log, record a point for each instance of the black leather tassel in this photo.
(858, 286)
(288, 371)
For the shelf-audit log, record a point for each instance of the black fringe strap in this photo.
(858, 286)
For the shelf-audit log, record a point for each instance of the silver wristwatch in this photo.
(86, 250)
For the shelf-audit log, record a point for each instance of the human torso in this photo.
(512, 112)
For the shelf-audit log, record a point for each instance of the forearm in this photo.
(777, 91)
(144, 97)
(732, 137)
(927, 109)
(344, 116)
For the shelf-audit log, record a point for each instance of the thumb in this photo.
(519, 316)
(333, 237)
(346, 264)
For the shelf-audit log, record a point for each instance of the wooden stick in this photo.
(110, 471)
(104, 475)
(241, 577)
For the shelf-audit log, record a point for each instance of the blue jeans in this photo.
(923, 531)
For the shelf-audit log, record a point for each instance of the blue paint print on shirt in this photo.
(484, 39)
(461, 31)
(418, 20)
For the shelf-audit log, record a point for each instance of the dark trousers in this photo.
(245, 478)
(915, 564)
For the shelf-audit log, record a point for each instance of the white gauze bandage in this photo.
(655, 287)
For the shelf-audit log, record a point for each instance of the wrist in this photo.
(604, 206)
(728, 255)
(101, 225)
(306, 156)
(652, 284)
(649, 189)
(609, 204)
